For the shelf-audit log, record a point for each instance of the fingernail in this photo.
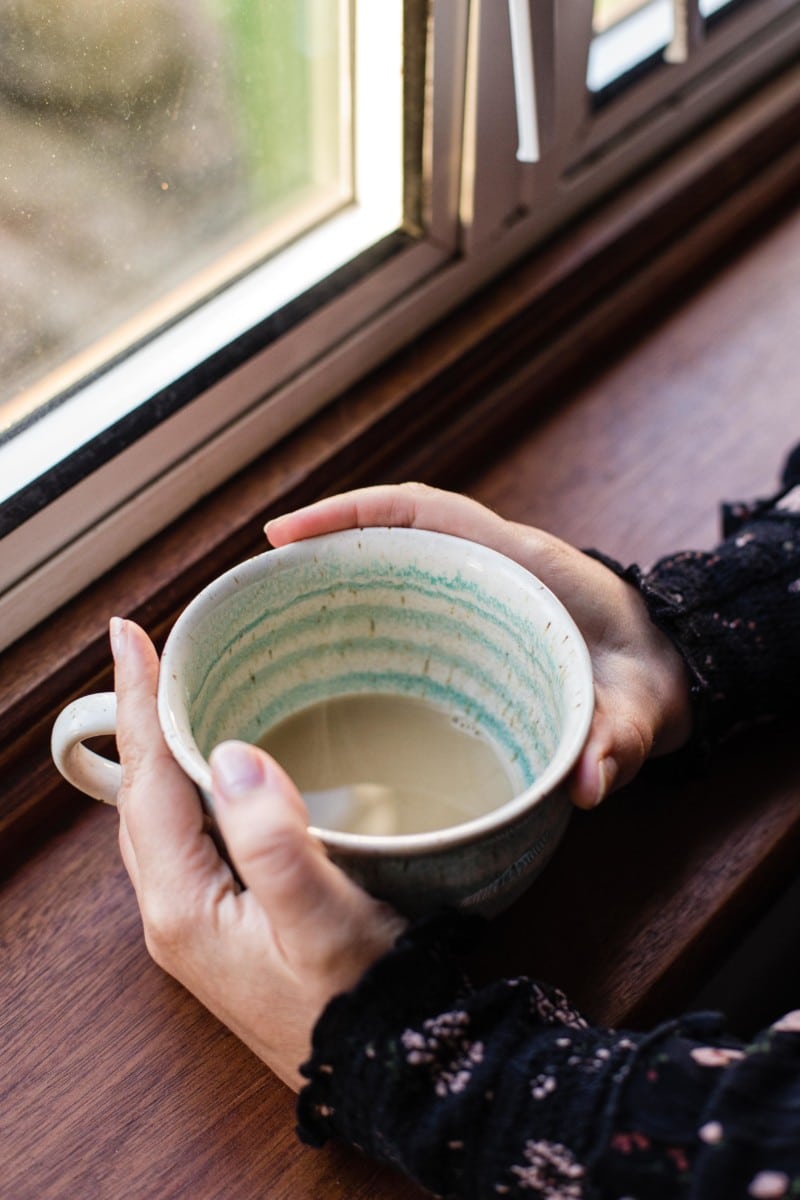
(118, 635)
(237, 768)
(607, 773)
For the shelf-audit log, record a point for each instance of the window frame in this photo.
(197, 424)
(476, 229)
(591, 144)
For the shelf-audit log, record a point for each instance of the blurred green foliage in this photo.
(272, 48)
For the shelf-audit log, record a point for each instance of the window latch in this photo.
(524, 80)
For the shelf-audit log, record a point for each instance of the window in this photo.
(630, 36)
(627, 34)
(219, 214)
(118, 411)
(153, 151)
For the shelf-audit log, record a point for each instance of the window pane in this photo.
(153, 149)
(627, 34)
(709, 7)
(610, 12)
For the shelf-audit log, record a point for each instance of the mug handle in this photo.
(90, 716)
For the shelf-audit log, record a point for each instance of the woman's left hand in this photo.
(641, 683)
(265, 960)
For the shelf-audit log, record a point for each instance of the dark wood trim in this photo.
(438, 407)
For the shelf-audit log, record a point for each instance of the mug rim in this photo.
(577, 723)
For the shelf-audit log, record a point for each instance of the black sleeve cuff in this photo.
(734, 616)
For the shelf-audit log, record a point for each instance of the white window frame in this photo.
(483, 209)
(66, 544)
(586, 147)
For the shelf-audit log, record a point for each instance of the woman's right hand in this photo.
(641, 683)
(264, 958)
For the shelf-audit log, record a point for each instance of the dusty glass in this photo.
(152, 150)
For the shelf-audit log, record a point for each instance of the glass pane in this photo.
(610, 12)
(151, 150)
(709, 7)
(627, 34)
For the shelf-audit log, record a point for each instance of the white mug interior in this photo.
(394, 611)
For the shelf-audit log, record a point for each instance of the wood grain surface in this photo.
(115, 1083)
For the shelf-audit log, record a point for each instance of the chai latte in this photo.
(388, 764)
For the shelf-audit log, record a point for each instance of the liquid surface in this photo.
(384, 765)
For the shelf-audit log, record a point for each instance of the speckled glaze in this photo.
(404, 611)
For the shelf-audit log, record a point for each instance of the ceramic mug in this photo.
(390, 611)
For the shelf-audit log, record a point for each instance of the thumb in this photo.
(594, 775)
(265, 826)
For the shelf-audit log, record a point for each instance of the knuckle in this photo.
(638, 743)
(277, 858)
(415, 489)
(166, 926)
(136, 767)
(408, 497)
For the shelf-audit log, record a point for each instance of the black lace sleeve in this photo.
(506, 1091)
(734, 612)
(492, 1092)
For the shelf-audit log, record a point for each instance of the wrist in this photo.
(667, 679)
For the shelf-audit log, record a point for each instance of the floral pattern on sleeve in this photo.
(469, 1092)
(508, 1092)
(445, 1049)
(550, 1169)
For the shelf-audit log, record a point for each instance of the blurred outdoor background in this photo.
(151, 149)
(142, 142)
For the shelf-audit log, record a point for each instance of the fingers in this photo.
(161, 818)
(620, 741)
(417, 506)
(350, 510)
(641, 683)
(410, 505)
(310, 903)
(594, 776)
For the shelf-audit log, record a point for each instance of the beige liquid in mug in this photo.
(388, 764)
